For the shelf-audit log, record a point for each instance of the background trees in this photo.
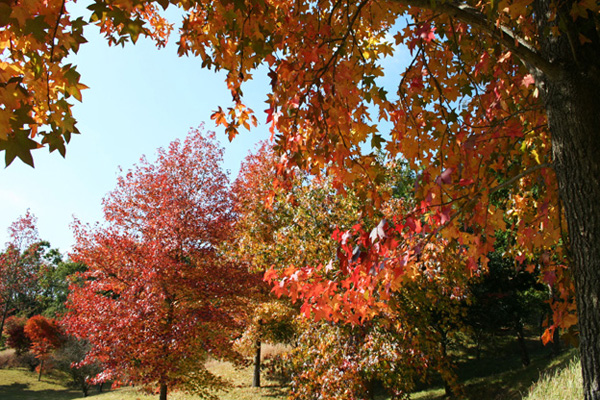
(356, 353)
(45, 336)
(158, 298)
(19, 264)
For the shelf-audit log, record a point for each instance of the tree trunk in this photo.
(4, 313)
(256, 378)
(556, 343)
(525, 360)
(572, 101)
(41, 367)
(574, 117)
(448, 389)
(163, 392)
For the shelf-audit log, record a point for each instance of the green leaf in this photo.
(19, 145)
(37, 27)
(134, 29)
(5, 11)
(376, 141)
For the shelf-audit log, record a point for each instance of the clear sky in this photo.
(140, 99)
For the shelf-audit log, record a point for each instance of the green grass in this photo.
(20, 384)
(499, 375)
(560, 384)
(490, 378)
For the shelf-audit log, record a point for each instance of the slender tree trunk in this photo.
(256, 378)
(163, 392)
(556, 348)
(41, 367)
(444, 348)
(525, 360)
(4, 313)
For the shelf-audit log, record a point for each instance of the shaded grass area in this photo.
(241, 378)
(499, 374)
(21, 384)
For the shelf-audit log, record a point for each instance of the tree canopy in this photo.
(496, 96)
(158, 298)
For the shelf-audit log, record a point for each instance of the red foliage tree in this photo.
(14, 329)
(45, 336)
(158, 297)
(19, 262)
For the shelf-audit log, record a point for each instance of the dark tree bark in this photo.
(4, 314)
(256, 377)
(574, 115)
(525, 359)
(573, 104)
(163, 392)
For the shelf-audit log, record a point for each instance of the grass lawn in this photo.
(21, 384)
(499, 377)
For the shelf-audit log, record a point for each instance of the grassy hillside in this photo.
(489, 379)
(21, 384)
(503, 379)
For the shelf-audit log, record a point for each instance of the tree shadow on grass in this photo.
(502, 380)
(22, 391)
(275, 391)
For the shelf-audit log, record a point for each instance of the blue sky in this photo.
(140, 99)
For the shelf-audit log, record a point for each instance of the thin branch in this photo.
(475, 18)
(52, 46)
(519, 176)
(60, 14)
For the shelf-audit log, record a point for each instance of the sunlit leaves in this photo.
(158, 298)
(464, 110)
(19, 261)
(36, 85)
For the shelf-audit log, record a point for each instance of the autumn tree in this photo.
(491, 95)
(19, 263)
(494, 96)
(45, 336)
(14, 330)
(68, 357)
(270, 320)
(158, 298)
(298, 229)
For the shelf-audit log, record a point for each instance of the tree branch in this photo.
(519, 176)
(470, 15)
